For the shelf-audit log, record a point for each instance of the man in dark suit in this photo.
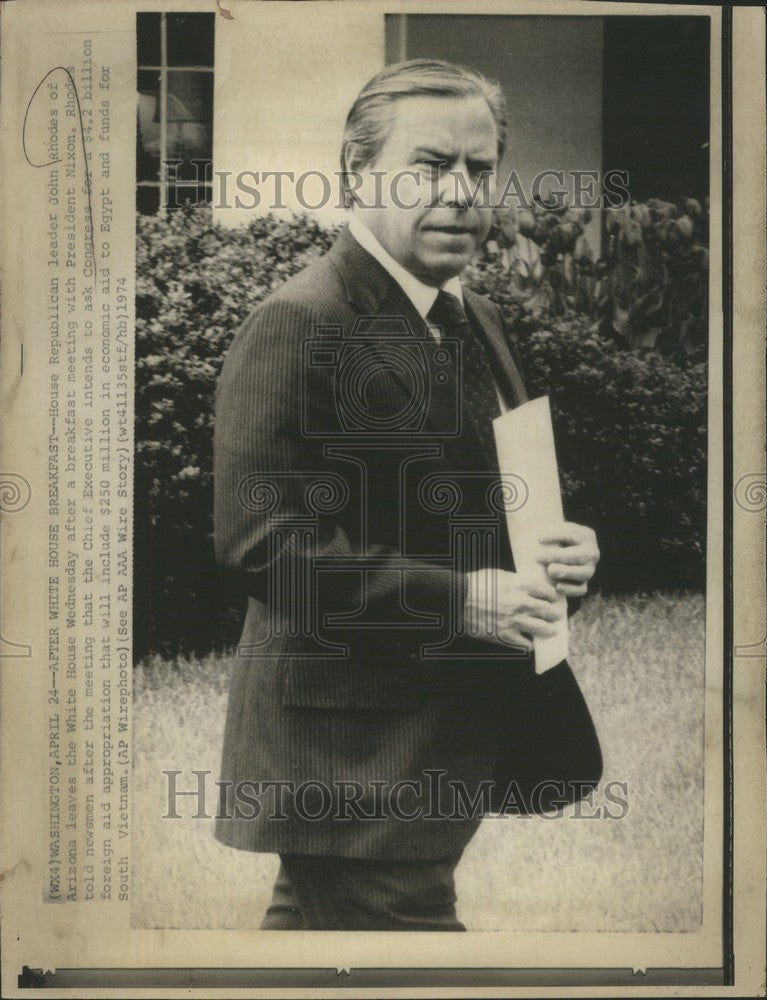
(388, 641)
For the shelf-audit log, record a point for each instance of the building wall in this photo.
(286, 75)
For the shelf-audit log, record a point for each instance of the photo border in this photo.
(390, 977)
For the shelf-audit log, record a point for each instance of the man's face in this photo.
(439, 151)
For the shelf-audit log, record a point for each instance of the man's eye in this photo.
(434, 165)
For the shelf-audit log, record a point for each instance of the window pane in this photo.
(190, 39)
(190, 120)
(148, 39)
(178, 194)
(190, 97)
(147, 200)
(148, 131)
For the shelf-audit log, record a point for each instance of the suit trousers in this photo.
(318, 893)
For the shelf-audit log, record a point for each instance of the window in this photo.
(174, 144)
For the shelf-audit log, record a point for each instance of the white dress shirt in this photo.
(421, 295)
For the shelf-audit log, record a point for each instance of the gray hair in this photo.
(370, 118)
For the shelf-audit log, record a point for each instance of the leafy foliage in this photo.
(656, 285)
(650, 290)
(631, 441)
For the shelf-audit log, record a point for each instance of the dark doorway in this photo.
(656, 104)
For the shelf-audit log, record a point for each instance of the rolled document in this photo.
(524, 438)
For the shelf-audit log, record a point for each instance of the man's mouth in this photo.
(450, 230)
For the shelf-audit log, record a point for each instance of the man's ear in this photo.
(355, 167)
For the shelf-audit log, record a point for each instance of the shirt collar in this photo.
(421, 295)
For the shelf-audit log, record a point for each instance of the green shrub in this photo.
(630, 426)
(649, 289)
(631, 439)
(655, 289)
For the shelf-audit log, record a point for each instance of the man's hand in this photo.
(570, 555)
(509, 608)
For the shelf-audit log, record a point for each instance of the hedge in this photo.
(630, 425)
(631, 439)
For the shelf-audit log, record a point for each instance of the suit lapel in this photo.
(446, 414)
(381, 303)
(381, 306)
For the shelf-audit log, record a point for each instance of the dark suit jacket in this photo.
(351, 537)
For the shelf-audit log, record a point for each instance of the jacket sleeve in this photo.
(264, 466)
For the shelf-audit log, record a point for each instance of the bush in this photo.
(649, 290)
(631, 437)
(630, 426)
(656, 281)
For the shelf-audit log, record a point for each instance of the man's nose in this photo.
(456, 188)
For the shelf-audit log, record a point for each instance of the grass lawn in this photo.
(640, 663)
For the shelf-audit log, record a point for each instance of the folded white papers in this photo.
(527, 459)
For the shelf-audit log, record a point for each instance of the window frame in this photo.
(163, 182)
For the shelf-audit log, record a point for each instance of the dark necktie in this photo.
(477, 384)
